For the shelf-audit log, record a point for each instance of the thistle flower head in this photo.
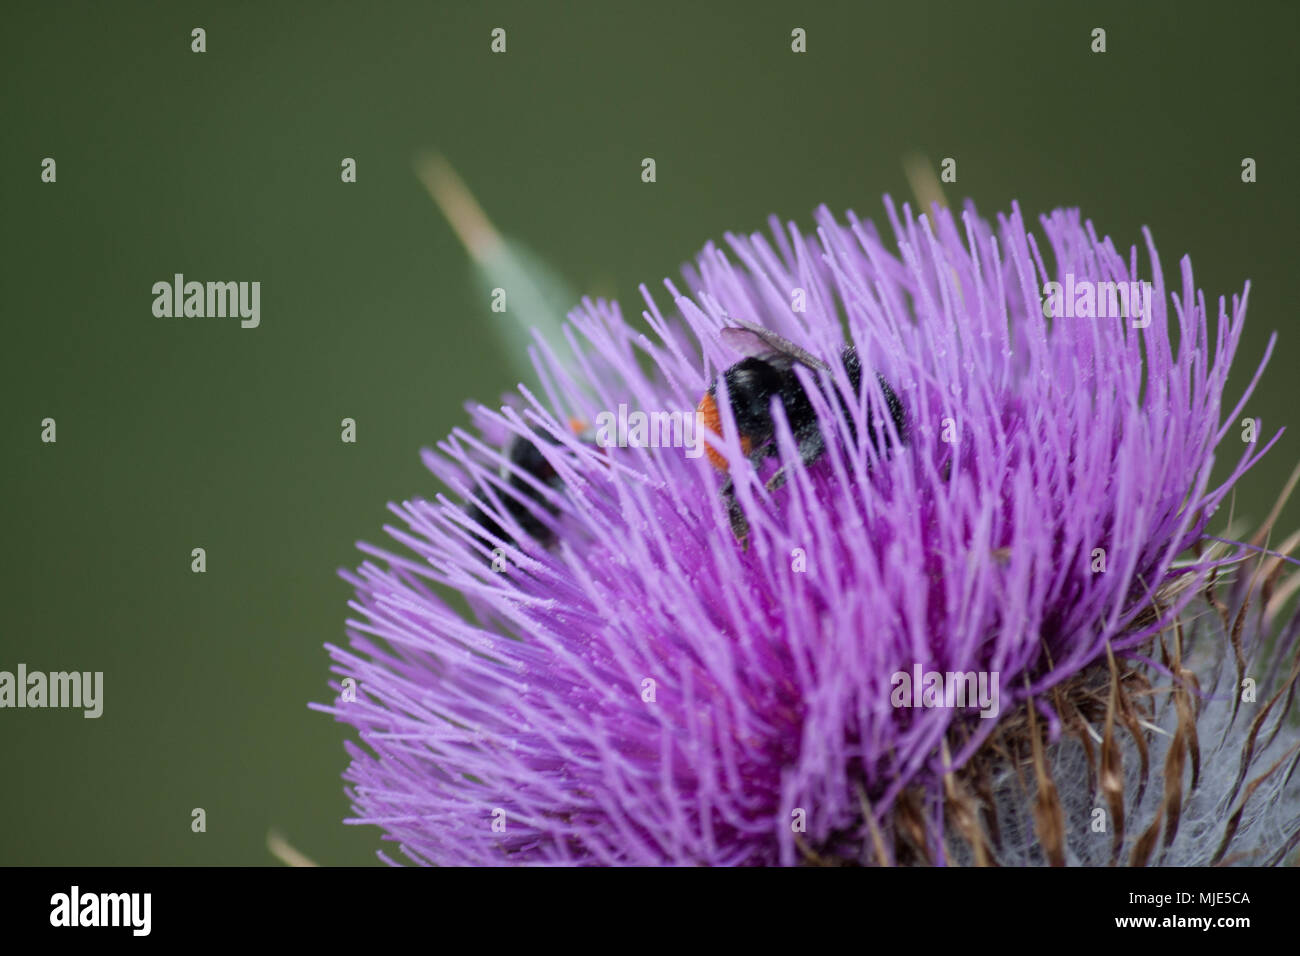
(626, 682)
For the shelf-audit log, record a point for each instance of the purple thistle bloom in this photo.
(635, 686)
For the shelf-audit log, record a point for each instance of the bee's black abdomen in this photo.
(751, 384)
(523, 454)
(526, 455)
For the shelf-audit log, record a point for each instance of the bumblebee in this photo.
(769, 371)
(525, 455)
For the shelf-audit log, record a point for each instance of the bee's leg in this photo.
(811, 447)
(739, 526)
(776, 481)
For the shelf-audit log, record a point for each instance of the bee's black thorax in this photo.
(753, 382)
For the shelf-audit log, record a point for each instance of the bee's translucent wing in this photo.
(756, 341)
(746, 342)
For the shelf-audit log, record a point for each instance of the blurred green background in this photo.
(183, 433)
